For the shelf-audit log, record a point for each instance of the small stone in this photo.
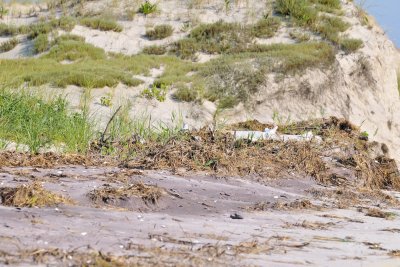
(236, 216)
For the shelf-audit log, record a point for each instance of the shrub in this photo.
(41, 43)
(160, 32)
(102, 24)
(8, 45)
(155, 50)
(267, 27)
(184, 93)
(147, 8)
(350, 45)
(39, 28)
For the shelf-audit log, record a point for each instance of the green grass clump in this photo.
(185, 94)
(300, 10)
(330, 27)
(160, 32)
(7, 30)
(186, 48)
(102, 24)
(155, 50)
(64, 23)
(72, 48)
(329, 3)
(147, 8)
(266, 28)
(90, 71)
(41, 43)
(27, 119)
(215, 38)
(398, 81)
(39, 28)
(8, 45)
(300, 36)
(350, 45)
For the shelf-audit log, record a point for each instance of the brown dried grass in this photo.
(32, 195)
(107, 194)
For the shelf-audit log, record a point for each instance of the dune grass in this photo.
(350, 45)
(224, 38)
(102, 24)
(234, 78)
(25, 118)
(306, 14)
(9, 45)
(159, 32)
(41, 43)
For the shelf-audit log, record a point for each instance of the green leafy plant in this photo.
(106, 100)
(157, 91)
(147, 8)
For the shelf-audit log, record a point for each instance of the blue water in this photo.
(387, 13)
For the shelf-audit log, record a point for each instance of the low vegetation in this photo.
(155, 50)
(159, 32)
(29, 120)
(224, 38)
(350, 45)
(300, 36)
(101, 23)
(8, 45)
(185, 94)
(41, 43)
(42, 27)
(266, 28)
(156, 91)
(147, 8)
(235, 78)
(72, 48)
(305, 13)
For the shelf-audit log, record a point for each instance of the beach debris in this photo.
(271, 134)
